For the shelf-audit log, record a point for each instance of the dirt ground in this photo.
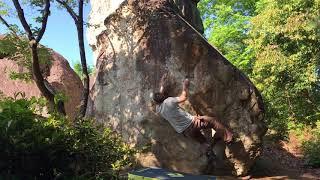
(283, 160)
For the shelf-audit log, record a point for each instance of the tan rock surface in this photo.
(143, 41)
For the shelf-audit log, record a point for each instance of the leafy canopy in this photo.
(285, 38)
(276, 43)
(227, 26)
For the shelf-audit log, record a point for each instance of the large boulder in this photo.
(97, 16)
(60, 75)
(189, 11)
(141, 42)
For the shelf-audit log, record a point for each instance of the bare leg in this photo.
(221, 131)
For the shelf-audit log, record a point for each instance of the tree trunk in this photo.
(38, 78)
(44, 88)
(85, 93)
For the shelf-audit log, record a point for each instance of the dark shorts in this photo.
(194, 131)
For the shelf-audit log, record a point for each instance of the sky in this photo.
(60, 35)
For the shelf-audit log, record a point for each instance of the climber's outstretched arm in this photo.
(185, 91)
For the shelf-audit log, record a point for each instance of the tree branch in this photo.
(79, 23)
(80, 11)
(44, 20)
(5, 22)
(9, 26)
(23, 19)
(69, 9)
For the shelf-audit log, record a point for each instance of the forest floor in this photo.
(279, 160)
(283, 160)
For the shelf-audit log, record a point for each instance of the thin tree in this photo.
(78, 20)
(34, 39)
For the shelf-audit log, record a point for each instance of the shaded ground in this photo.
(283, 160)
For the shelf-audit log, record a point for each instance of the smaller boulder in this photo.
(60, 75)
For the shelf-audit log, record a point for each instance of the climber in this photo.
(185, 123)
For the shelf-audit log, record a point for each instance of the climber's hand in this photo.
(161, 89)
(186, 83)
(197, 122)
(185, 91)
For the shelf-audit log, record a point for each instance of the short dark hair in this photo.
(159, 97)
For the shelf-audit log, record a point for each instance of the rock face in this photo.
(60, 76)
(189, 11)
(143, 41)
(97, 17)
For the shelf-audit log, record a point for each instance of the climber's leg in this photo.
(193, 131)
(222, 132)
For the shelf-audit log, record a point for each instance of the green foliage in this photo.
(17, 49)
(3, 9)
(276, 44)
(298, 129)
(27, 77)
(78, 69)
(35, 10)
(285, 38)
(312, 146)
(34, 147)
(227, 26)
(60, 97)
(73, 3)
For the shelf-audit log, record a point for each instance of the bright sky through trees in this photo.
(61, 34)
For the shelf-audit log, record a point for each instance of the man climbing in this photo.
(183, 122)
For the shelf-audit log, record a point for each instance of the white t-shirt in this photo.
(170, 110)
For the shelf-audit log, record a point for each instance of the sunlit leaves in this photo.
(78, 69)
(227, 26)
(276, 42)
(286, 42)
(3, 9)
